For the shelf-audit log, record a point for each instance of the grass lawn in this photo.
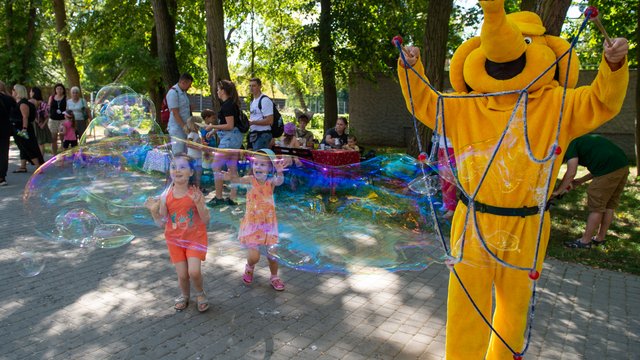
(622, 250)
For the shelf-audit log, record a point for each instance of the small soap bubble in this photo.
(76, 226)
(108, 236)
(29, 264)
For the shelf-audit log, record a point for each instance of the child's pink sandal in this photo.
(277, 284)
(247, 278)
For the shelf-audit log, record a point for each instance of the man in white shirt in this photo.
(178, 104)
(261, 117)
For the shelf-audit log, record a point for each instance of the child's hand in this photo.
(152, 203)
(279, 165)
(196, 195)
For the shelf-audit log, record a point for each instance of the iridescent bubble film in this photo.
(333, 212)
(29, 264)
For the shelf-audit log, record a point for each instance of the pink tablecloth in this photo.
(336, 157)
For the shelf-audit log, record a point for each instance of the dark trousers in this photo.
(4, 155)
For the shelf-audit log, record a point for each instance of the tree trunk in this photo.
(553, 13)
(528, 5)
(165, 30)
(434, 57)
(66, 54)
(30, 39)
(155, 85)
(327, 66)
(300, 96)
(637, 97)
(216, 48)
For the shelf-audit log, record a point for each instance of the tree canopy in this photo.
(279, 41)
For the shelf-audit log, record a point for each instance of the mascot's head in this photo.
(510, 53)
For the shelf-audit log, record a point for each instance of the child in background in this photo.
(194, 146)
(447, 179)
(352, 143)
(182, 210)
(210, 140)
(289, 139)
(68, 130)
(259, 227)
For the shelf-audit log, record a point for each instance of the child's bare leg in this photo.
(232, 167)
(195, 273)
(183, 277)
(253, 256)
(275, 280)
(273, 265)
(218, 159)
(183, 282)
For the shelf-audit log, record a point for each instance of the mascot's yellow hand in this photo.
(411, 54)
(616, 53)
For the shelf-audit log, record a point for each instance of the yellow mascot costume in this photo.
(508, 151)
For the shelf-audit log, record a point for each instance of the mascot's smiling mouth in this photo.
(506, 70)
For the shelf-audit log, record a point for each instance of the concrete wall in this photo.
(378, 114)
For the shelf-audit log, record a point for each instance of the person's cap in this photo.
(290, 128)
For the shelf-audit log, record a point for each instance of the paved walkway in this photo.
(117, 304)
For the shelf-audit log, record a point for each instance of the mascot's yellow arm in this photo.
(586, 107)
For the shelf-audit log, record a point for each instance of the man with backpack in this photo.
(262, 117)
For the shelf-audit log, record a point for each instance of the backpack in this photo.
(243, 122)
(165, 113)
(277, 126)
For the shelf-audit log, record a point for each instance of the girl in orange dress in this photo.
(184, 214)
(260, 225)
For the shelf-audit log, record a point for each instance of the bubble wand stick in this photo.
(397, 40)
(592, 14)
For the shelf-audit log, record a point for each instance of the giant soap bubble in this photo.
(361, 216)
(353, 218)
(89, 196)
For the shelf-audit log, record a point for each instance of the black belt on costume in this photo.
(502, 211)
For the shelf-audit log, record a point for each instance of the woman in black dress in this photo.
(23, 117)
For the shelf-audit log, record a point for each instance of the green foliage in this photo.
(15, 66)
(112, 40)
(618, 18)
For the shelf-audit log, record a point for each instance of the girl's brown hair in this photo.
(68, 114)
(230, 89)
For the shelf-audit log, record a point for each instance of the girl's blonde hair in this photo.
(21, 91)
(191, 124)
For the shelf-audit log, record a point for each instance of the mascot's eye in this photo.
(528, 40)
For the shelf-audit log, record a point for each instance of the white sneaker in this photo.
(3, 183)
